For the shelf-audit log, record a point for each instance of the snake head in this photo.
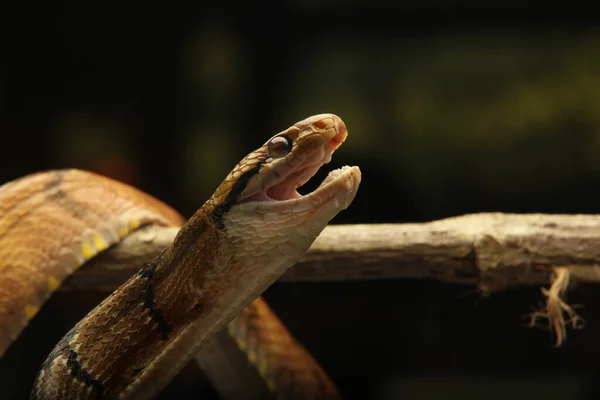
(258, 205)
(267, 179)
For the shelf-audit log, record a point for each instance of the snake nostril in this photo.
(339, 138)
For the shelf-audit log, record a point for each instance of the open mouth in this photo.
(282, 180)
(287, 189)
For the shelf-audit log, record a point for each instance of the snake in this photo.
(253, 228)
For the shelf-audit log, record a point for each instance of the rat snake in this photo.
(254, 227)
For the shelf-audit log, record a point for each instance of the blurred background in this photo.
(451, 107)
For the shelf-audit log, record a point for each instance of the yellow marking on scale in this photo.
(131, 226)
(262, 367)
(99, 242)
(241, 345)
(134, 224)
(252, 356)
(30, 311)
(87, 251)
(53, 283)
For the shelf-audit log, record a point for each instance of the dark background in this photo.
(451, 107)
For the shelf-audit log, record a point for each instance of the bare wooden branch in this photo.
(114, 266)
(492, 250)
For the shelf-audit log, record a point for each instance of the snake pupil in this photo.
(280, 146)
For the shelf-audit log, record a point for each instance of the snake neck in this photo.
(183, 275)
(196, 286)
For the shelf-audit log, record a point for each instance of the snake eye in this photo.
(280, 146)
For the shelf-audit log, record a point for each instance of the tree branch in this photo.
(492, 250)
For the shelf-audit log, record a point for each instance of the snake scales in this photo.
(249, 232)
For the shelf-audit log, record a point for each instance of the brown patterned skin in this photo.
(50, 224)
(289, 370)
(252, 229)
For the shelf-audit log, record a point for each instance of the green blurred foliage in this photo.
(502, 114)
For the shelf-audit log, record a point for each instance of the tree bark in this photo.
(491, 250)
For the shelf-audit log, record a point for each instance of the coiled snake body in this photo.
(248, 233)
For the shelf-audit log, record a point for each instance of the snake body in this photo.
(251, 230)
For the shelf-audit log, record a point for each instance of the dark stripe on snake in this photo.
(232, 197)
(147, 273)
(83, 375)
(73, 207)
(56, 180)
(61, 349)
(65, 350)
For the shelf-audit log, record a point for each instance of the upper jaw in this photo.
(281, 177)
(330, 126)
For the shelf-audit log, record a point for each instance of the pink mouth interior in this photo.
(286, 189)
